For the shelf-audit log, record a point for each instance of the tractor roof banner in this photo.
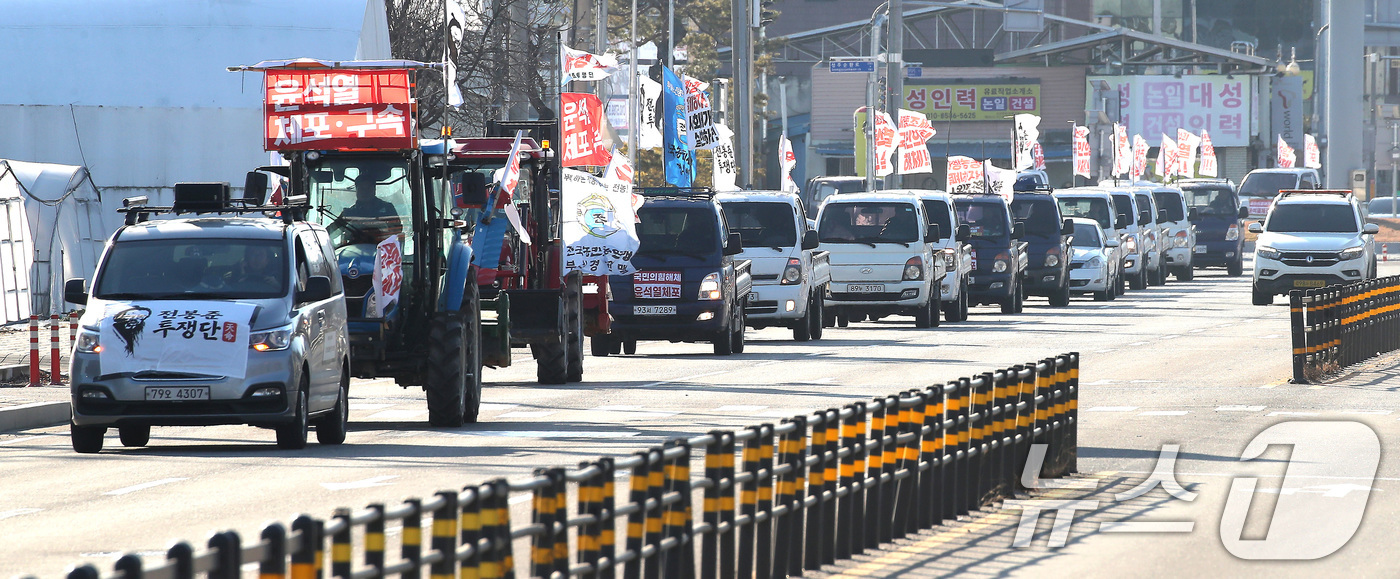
(321, 109)
(581, 131)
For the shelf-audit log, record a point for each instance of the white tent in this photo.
(53, 224)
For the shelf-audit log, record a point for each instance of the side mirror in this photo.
(809, 240)
(1255, 227)
(735, 246)
(75, 291)
(1162, 216)
(1193, 214)
(1122, 222)
(1144, 218)
(933, 235)
(1244, 212)
(1111, 242)
(964, 232)
(1018, 230)
(1067, 227)
(255, 188)
(1371, 229)
(318, 288)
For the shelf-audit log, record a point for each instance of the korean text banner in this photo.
(196, 337)
(676, 153)
(338, 109)
(1162, 104)
(600, 235)
(582, 131)
(886, 142)
(971, 102)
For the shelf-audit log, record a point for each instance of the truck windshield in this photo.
(1088, 207)
(1212, 201)
(364, 201)
(215, 268)
(985, 219)
(1267, 184)
(1311, 218)
(868, 223)
(677, 231)
(1039, 215)
(1086, 235)
(763, 224)
(1170, 202)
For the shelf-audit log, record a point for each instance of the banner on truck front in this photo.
(599, 229)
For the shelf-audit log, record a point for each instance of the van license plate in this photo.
(865, 288)
(1309, 283)
(1200, 249)
(653, 310)
(177, 393)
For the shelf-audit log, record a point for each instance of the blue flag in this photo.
(677, 156)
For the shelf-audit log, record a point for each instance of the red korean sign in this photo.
(338, 109)
(581, 131)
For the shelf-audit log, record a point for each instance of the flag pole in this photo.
(633, 105)
(445, 130)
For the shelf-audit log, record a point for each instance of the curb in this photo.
(34, 415)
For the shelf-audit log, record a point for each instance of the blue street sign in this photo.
(852, 66)
(914, 72)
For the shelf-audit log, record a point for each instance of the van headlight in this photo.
(709, 287)
(913, 269)
(1182, 238)
(1351, 253)
(89, 342)
(1266, 252)
(271, 340)
(1130, 244)
(1093, 263)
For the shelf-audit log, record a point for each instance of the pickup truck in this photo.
(688, 286)
(790, 275)
(883, 260)
(1001, 258)
(1048, 239)
(956, 251)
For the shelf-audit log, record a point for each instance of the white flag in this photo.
(1122, 151)
(1209, 166)
(456, 29)
(1312, 156)
(1027, 133)
(701, 123)
(1166, 157)
(998, 181)
(582, 66)
(619, 169)
(507, 178)
(1286, 156)
(1140, 148)
(725, 171)
(1186, 153)
(650, 136)
(787, 160)
(1081, 151)
(964, 175)
(914, 133)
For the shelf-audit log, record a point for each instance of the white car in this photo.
(1092, 268)
(883, 258)
(1097, 204)
(1312, 239)
(957, 254)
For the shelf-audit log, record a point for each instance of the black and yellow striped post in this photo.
(340, 544)
(874, 466)
(374, 539)
(679, 560)
(1072, 434)
(930, 450)
(767, 451)
(982, 400)
(1044, 392)
(911, 420)
(637, 521)
(181, 558)
(274, 560)
(1025, 413)
(889, 463)
(815, 534)
(84, 571)
(797, 457)
(656, 490)
(411, 539)
(1004, 429)
(304, 562)
(1300, 346)
(965, 488)
(860, 524)
(228, 556)
(495, 525)
(542, 515)
(560, 485)
(846, 522)
(830, 480)
(949, 487)
(444, 539)
(748, 503)
(607, 535)
(996, 398)
(727, 504)
(469, 524)
(590, 504)
(786, 490)
(129, 565)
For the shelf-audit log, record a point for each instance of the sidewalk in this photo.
(22, 406)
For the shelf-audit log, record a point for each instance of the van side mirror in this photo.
(1244, 212)
(1018, 231)
(318, 288)
(1067, 227)
(1122, 222)
(1144, 218)
(1193, 214)
(255, 188)
(933, 234)
(809, 240)
(75, 291)
(1111, 242)
(1255, 227)
(1371, 229)
(1162, 216)
(964, 232)
(735, 246)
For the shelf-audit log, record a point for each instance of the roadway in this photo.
(1190, 364)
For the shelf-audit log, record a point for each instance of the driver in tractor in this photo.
(370, 219)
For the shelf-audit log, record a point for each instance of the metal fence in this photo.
(776, 499)
(1340, 325)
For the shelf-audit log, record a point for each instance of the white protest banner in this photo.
(1081, 151)
(701, 130)
(388, 274)
(1312, 156)
(914, 132)
(964, 175)
(1122, 151)
(619, 169)
(726, 169)
(1140, 148)
(196, 337)
(1209, 166)
(886, 142)
(599, 229)
(1185, 153)
(1166, 157)
(582, 66)
(1038, 154)
(787, 161)
(650, 136)
(1286, 156)
(1027, 129)
(998, 181)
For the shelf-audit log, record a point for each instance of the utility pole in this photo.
(634, 101)
(742, 53)
(671, 34)
(871, 114)
(895, 74)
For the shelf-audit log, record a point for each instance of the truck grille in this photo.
(1319, 258)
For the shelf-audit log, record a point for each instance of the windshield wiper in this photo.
(873, 240)
(132, 296)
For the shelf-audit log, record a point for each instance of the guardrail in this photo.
(804, 493)
(1340, 325)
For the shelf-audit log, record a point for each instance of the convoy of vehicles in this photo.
(790, 275)
(1048, 244)
(883, 258)
(1093, 268)
(1312, 239)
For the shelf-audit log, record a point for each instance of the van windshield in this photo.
(986, 220)
(1088, 207)
(868, 223)
(1170, 202)
(762, 224)
(1267, 184)
(1212, 201)
(677, 231)
(213, 268)
(1311, 218)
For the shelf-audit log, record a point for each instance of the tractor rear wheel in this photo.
(551, 361)
(573, 320)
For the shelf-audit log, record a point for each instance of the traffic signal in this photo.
(762, 12)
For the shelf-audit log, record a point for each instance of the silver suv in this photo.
(1312, 239)
(211, 320)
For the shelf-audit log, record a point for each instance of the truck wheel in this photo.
(1155, 277)
(965, 302)
(1060, 298)
(332, 428)
(87, 439)
(1234, 268)
(600, 346)
(935, 307)
(1122, 287)
(736, 343)
(293, 436)
(843, 319)
(828, 316)
(723, 343)
(134, 435)
(922, 315)
(573, 299)
(817, 321)
(1008, 304)
(802, 331)
(1020, 297)
(1139, 281)
(1262, 298)
(1115, 287)
(629, 347)
(1103, 296)
(1189, 273)
(446, 383)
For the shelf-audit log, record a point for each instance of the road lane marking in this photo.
(1239, 409)
(1147, 526)
(546, 433)
(1368, 412)
(490, 407)
(1269, 386)
(525, 498)
(685, 378)
(1291, 414)
(527, 414)
(142, 486)
(1138, 344)
(615, 407)
(377, 481)
(1165, 413)
(22, 439)
(768, 363)
(17, 512)
(739, 408)
(368, 405)
(1099, 383)
(398, 414)
(1113, 409)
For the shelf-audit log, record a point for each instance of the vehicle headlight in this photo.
(913, 269)
(1052, 260)
(1267, 252)
(1182, 238)
(271, 340)
(1351, 253)
(709, 287)
(793, 273)
(88, 342)
(1233, 233)
(950, 258)
(1130, 244)
(999, 265)
(1094, 263)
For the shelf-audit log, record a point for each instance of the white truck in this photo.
(884, 259)
(790, 275)
(953, 247)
